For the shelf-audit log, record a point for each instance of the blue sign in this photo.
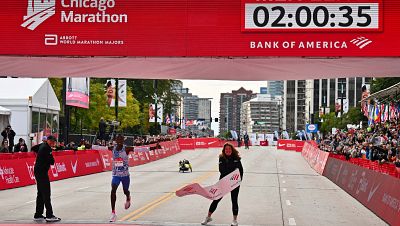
(263, 90)
(312, 128)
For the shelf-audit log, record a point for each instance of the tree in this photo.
(128, 116)
(354, 116)
(383, 83)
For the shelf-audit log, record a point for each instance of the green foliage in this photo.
(134, 118)
(57, 84)
(383, 83)
(354, 116)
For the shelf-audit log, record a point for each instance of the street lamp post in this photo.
(341, 99)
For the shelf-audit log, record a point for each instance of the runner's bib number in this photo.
(119, 162)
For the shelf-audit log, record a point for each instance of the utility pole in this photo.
(155, 86)
(66, 112)
(341, 100)
(116, 99)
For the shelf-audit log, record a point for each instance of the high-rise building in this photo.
(328, 92)
(303, 99)
(275, 88)
(195, 108)
(205, 111)
(294, 105)
(261, 114)
(230, 109)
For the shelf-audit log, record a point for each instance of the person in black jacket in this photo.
(44, 159)
(21, 146)
(229, 161)
(9, 134)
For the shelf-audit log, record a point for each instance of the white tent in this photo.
(5, 115)
(33, 107)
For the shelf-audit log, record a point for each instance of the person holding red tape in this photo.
(229, 161)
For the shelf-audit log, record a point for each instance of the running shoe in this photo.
(128, 203)
(39, 218)
(53, 219)
(205, 222)
(113, 217)
(234, 223)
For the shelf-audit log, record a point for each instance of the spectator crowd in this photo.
(378, 142)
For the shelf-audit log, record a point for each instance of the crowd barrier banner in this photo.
(201, 143)
(291, 145)
(186, 143)
(106, 157)
(378, 192)
(20, 172)
(16, 173)
(213, 142)
(315, 157)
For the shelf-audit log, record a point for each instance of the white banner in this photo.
(152, 113)
(213, 192)
(110, 93)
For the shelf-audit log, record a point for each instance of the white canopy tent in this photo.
(32, 105)
(5, 115)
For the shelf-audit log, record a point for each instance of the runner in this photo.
(120, 173)
(229, 161)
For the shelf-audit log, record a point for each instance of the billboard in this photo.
(78, 90)
(152, 113)
(111, 90)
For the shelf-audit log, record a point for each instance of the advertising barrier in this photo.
(378, 192)
(291, 145)
(315, 157)
(186, 143)
(20, 172)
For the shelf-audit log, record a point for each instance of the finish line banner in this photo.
(213, 192)
(200, 28)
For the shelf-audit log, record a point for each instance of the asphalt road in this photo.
(278, 188)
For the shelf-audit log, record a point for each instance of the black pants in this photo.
(43, 195)
(234, 199)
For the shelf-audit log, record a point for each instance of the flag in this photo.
(183, 126)
(377, 115)
(371, 111)
(386, 113)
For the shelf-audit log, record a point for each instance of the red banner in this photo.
(315, 157)
(201, 143)
(378, 192)
(291, 145)
(106, 157)
(185, 28)
(19, 172)
(16, 173)
(187, 143)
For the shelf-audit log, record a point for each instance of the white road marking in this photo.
(288, 203)
(30, 201)
(292, 221)
(82, 188)
(284, 189)
(284, 181)
(281, 176)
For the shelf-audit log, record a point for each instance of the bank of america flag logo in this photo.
(361, 42)
(38, 11)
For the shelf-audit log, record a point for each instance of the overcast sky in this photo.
(213, 89)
